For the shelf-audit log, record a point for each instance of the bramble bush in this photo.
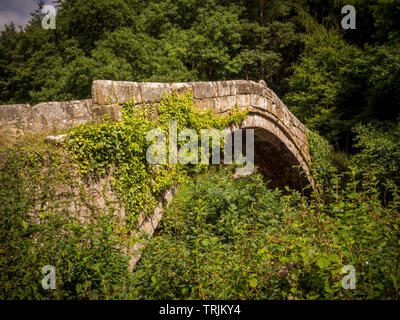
(224, 238)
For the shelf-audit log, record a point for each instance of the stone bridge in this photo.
(280, 138)
(281, 143)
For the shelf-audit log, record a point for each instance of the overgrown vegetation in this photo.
(49, 218)
(225, 238)
(41, 226)
(220, 238)
(138, 183)
(380, 152)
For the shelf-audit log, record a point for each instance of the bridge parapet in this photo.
(267, 111)
(219, 96)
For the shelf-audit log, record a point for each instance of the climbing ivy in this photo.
(119, 149)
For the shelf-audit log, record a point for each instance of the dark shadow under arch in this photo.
(275, 161)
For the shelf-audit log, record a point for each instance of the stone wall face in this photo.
(59, 115)
(19, 119)
(219, 96)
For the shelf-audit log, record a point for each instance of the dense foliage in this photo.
(337, 85)
(43, 201)
(225, 238)
(380, 152)
(221, 237)
(40, 226)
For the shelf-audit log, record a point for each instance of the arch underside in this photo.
(275, 154)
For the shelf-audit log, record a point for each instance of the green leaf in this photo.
(334, 258)
(323, 262)
(253, 282)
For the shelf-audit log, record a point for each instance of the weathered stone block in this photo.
(14, 113)
(244, 87)
(153, 92)
(115, 92)
(223, 104)
(57, 115)
(224, 88)
(254, 100)
(56, 139)
(9, 135)
(114, 111)
(180, 87)
(257, 88)
(203, 90)
(208, 104)
(80, 109)
(277, 111)
(45, 115)
(263, 103)
(148, 226)
(243, 100)
(268, 92)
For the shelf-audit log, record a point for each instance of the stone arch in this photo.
(279, 132)
(276, 155)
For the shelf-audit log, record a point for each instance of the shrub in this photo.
(225, 238)
(379, 151)
(322, 164)
(39, 227)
